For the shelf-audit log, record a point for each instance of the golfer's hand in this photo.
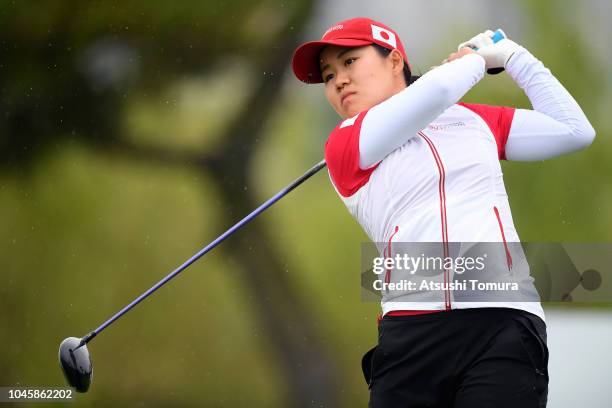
(456, 55)
(478, 41)
(497, 54)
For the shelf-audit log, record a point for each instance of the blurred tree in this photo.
(68, 70)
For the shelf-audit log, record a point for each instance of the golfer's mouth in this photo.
(344, 97)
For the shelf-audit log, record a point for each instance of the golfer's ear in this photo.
(398, 62)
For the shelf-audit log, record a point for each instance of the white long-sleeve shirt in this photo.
(420, 167)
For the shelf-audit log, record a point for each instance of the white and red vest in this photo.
(444, 185)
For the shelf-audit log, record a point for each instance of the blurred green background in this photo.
(133, 133)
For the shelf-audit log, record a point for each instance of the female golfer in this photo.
(414, 165)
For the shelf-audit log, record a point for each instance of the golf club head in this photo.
(76, 364)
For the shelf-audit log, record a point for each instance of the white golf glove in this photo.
(496, 55)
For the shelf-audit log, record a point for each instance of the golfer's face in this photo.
(355, 78)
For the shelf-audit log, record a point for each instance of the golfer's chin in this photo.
(349, 111)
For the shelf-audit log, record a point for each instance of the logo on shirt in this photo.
(445, 126)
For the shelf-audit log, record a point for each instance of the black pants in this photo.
(469, 358)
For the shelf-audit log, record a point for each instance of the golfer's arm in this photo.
(393, 122)
(556, 126)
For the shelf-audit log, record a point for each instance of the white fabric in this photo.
(403, 201)
(557, 126)
(416, 106)
(404, 192)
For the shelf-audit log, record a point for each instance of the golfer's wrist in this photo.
(521, 65)
(477, 61)
(472, 59)
(514, 56)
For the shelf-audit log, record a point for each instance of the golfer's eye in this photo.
(349, 61)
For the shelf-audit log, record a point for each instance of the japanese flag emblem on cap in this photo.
(384, 35)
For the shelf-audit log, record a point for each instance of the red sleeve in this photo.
(499, 120)
(342, 157)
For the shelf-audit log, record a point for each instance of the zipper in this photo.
(443, 218)
(501, 229)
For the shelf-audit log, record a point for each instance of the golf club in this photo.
(74, 356)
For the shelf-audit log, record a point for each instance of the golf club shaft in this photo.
(206, 249)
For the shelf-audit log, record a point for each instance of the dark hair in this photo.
(407, 74)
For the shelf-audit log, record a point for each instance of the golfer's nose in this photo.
(342, 79)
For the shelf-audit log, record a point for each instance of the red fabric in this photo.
(342, 158)
(411, 312)
(499, 120)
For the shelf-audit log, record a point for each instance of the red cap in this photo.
(355, 32)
